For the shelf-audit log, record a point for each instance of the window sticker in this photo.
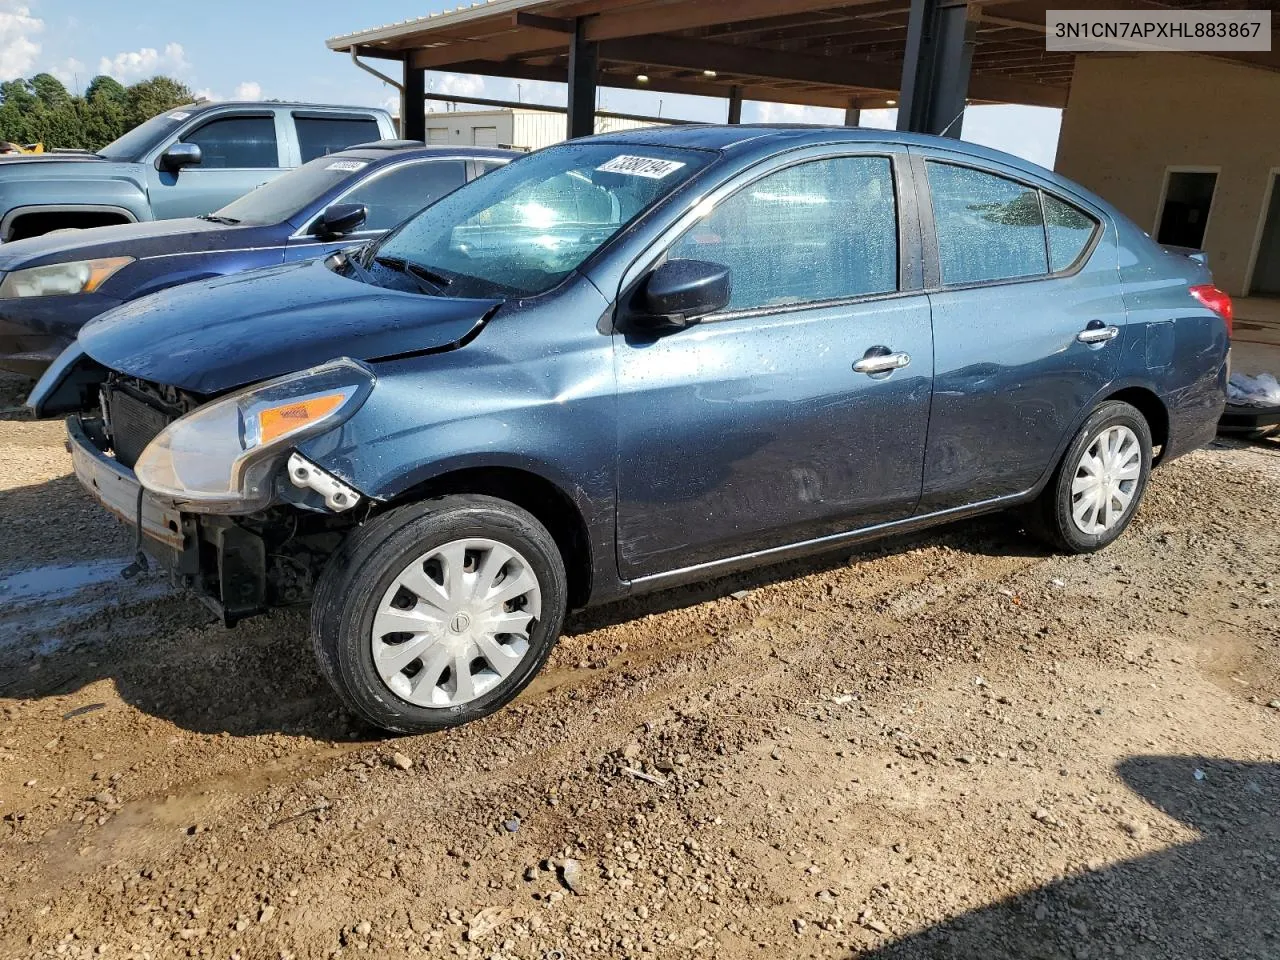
(350, 166)
(648, 167)
(179, 115)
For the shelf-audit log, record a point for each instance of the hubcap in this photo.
(456, 622)
(1105, 480)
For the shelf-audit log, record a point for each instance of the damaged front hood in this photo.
(213, 335)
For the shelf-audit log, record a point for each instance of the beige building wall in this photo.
(525, 129)
(1131, 117)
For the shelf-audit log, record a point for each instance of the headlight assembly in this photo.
(61, 279)
(221, 457)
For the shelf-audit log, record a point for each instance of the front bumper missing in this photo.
(223, 563)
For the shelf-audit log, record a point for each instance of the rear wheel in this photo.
(1097, 487)
(439, 613)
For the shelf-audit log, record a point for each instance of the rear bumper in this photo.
(224, 564)
(1241, 418)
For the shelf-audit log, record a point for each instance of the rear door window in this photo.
(321, 136)
(988, 227)
(237, 143)
(822, 230)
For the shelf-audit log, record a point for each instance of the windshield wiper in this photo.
(415, 270)
(214, 218)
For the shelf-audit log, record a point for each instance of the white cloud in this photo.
(204, 93)
(71, 72)
(795, 113)
(135, 65)
(1027, 132)
(18, 49)
(249, 90)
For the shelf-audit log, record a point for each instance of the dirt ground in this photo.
(950, 745)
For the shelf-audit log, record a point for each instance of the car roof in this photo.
(733, 137)
(290, 104)
(387, 150)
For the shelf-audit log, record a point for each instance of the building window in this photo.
(1188, 195)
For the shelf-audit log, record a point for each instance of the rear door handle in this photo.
(882, 363)
(1098, 334)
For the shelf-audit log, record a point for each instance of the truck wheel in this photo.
(438, 613)
(1097, 487)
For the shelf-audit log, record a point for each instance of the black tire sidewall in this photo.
(359, 575)
(1110, 414)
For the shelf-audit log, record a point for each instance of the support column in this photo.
(935, 72)
(413, 118)
(735, 104)
(582, 84)
(852, 116)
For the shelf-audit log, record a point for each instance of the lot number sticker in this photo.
(641, 167)
(350, 166)
(179, 115)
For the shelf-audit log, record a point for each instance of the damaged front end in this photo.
(213, 486)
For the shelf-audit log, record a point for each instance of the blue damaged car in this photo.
(51, 285)
(633, 361)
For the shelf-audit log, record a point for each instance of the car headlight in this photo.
(221, 457)
(61, 279)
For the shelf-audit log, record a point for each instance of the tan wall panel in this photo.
(1129, 117)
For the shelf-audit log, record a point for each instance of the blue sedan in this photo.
(633, 361)
(50, 286)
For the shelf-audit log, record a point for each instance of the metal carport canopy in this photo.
(812, 52)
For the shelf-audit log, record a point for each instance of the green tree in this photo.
(150, 97)
(49, 91)
(42, 109)
(106, 89)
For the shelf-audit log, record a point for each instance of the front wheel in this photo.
(438, 613)
(1097, 487)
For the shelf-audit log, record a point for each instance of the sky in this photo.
(238, 49)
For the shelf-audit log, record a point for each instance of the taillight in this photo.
(1216, 300)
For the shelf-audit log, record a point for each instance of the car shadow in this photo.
(989, 536)
(68, 620)
(1217, 896)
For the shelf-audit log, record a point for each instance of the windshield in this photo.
(291, 193)
(522, 229)
(144, 136)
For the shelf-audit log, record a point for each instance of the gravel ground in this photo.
(951, 745)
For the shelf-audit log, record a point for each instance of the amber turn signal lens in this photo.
(276, 422)
(100, 271)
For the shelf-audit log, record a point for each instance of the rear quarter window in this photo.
(1070, 232)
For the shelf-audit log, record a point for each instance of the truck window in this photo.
(319, 136)
(237, 142)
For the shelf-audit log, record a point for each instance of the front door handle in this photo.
(882, 362)
(1098, 334)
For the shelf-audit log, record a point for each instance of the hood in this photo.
(140, 240)
(213, 335)
(48, 157)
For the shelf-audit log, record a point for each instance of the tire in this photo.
(362, 591)
(1051, 516)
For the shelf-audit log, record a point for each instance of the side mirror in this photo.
(680, 291)
(180, 155)
(341, 218)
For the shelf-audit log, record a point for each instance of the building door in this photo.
(1266, 269)
(1184, 214)
(484, 136)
